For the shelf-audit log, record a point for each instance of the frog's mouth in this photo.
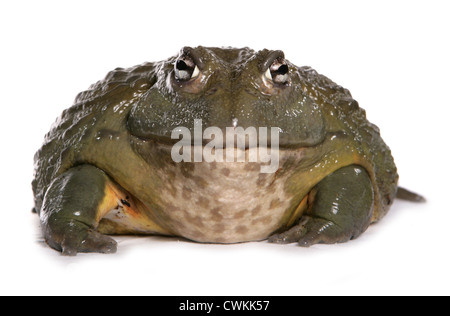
(246, 150)
(234, 136)
(262, 146)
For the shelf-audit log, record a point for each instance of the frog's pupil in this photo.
(279, 71)
(282, 70)
(181, 65)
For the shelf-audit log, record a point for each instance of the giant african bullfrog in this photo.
(107, 167)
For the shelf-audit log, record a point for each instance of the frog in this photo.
(106, 166)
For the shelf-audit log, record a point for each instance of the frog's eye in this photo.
(186, 69)
(278, 71)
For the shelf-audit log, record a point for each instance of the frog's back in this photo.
(366, 144)
(74, 128)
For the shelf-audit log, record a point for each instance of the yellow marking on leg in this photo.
(109, 201)
(131, 219)
(298, 211)
(116, 197)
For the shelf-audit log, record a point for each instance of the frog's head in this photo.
(228, 87)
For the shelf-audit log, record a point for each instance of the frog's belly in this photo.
(224, 202)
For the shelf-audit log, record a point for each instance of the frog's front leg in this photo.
(73, 205)
(340, 209)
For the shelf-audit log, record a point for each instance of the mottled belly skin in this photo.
(225, 202)
(218, 202)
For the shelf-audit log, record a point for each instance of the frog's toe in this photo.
(86, 240)
(311, 231)
(96, 242)
(290, 236)
(322, 231)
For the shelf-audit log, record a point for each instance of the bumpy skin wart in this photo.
(105, 166)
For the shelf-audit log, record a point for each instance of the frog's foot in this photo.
(311, 231)
(340, 210)
(77, 237)
(292, 235)
(74, 204)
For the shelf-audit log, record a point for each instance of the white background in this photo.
(392, 55)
